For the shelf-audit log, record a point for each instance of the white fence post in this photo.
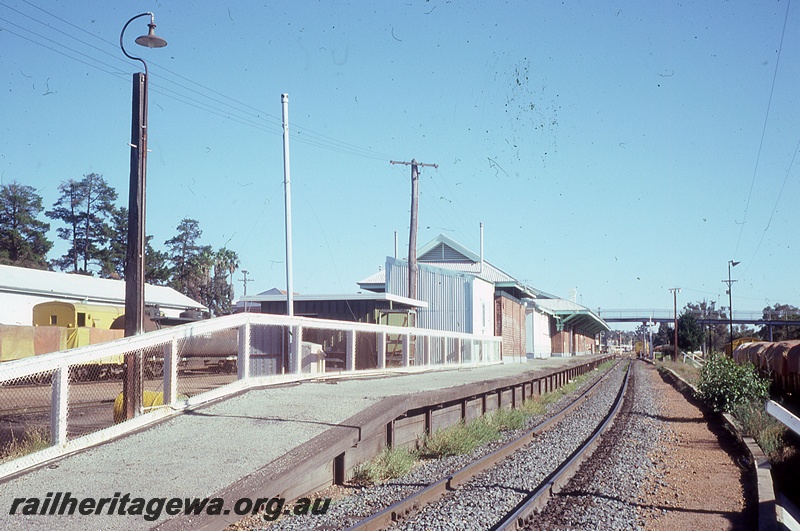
(381, 350)
(350, 357)
(458, 350)
(243, 355)
(58, 406)
(406, 349)
(426, 350)
(171, 372)
(296, 361)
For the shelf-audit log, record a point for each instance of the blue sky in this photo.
(614, 148)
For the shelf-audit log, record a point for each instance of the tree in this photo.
(85, 206)
(115, 254)
(191, 262)
(715, 331)
(156, 266)
(23, 240)
(664, 335)
(219, 296)
(777, 312)
(690, 334)
(114, 257)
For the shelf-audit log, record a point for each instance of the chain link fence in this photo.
(52, 399)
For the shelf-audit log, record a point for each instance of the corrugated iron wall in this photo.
(448, 294)
(538, 340)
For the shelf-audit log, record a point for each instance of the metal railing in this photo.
(719, 315)
(72, 399)
(695, 358)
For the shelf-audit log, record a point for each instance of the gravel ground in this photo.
(551, 448)
(662, 466)
(605, 488)
(700, 478)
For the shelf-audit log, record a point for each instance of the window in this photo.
(81, 319)
(53, 319)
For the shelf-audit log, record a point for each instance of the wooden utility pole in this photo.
(675, 292)
(412, 237)
(132, 375)
(244, 281)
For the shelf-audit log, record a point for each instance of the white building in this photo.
(21, 289)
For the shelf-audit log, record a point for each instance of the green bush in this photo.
(724, 384)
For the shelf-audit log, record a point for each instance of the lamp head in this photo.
(734, 263)
(151, 40)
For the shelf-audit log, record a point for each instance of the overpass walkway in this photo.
(219, 449)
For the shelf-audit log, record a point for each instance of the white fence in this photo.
(69, 396)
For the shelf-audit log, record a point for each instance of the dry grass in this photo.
(33, 440)
(687, 371)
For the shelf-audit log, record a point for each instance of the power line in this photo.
(774, 208)
(254, 115)
(763, 129)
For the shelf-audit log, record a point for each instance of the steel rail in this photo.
(410, 505)
(523, 513)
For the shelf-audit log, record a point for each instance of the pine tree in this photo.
(23, 237)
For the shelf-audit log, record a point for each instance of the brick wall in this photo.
(568, 341)
(510, 324)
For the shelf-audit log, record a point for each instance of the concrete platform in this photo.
(217, 450)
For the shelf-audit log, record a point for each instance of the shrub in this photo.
(725, 384)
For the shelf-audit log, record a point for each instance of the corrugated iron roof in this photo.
(572, 313)
(264, 297)
(66, 286)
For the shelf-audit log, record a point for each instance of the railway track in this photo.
(497, 491)
(495, 475)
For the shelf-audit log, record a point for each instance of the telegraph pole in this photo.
(731, 263)
(244, 281)
(412, 237)
(675, 292)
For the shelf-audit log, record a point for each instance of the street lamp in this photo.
(731, 263)
(134, 258)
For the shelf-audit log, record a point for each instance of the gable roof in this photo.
(444, 249)
(67, 286)
(446, 253)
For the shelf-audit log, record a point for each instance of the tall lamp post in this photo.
(134, 258)
(731, 263)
